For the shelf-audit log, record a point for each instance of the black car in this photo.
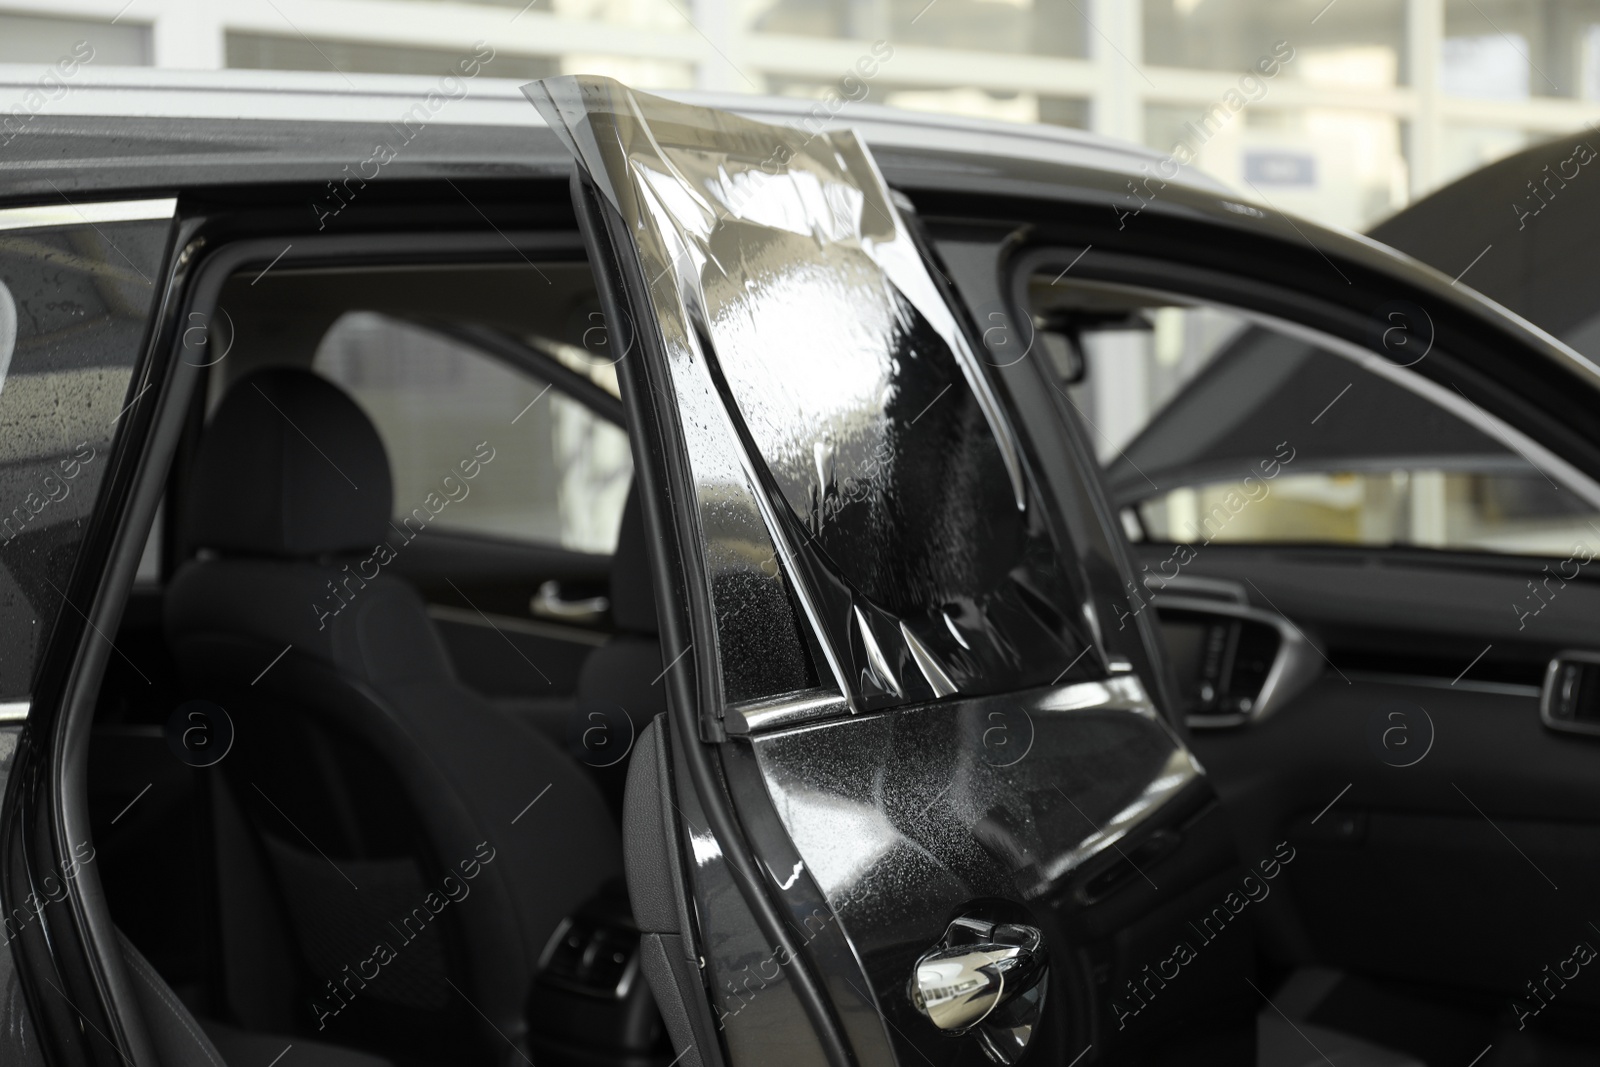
(591, 578)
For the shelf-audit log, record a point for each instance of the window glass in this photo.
(73, 306)
(1514, 49)
(965, 101)
(643, 14)
(70, 43)
(259, 51)
(1214, 426)
(913, 522)
(1341, 167)
(559, 473)
(1040, 27)
(1348, 44)
(821, 376)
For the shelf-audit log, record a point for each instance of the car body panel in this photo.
(912, 784)
(892, 819)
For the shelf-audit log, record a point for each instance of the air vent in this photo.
(1235, 664)
(592, 957)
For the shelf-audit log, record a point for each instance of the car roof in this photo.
(140, 131)
(117, 126)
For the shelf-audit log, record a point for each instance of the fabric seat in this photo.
(1284, 1037)
(181, 1040)
(626, 671)
(423, 844)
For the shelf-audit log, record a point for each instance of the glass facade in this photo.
(1516, 49)
(252, 51)
(1041, 27)
(34, 39)
(1343, 167)
(1342, 111)
(1349, 44)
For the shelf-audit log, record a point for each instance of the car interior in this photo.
(399, 549)
(395, 619)
(1379, 614)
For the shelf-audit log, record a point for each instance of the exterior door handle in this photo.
(549, 603)
(983, 976)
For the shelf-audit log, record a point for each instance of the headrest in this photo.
(289, 466)
(633, 596)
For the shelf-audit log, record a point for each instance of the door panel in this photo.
(1495, 824)
(953, 727)
(1430, 559)
(80, 296)
(908, 820)
(481, 595)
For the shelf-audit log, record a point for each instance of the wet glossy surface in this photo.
(906, 818)
(830, 400)
(782, 271)
(18, 1045)
(73, 304)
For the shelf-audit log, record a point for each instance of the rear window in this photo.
(75, 299)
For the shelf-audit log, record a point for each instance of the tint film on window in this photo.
(73, 305)
(783, 268)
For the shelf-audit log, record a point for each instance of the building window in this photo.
(1514, 49)
(1039, 27)
(28, 39)
(965, 101)
(262, 52)
(1342, 167)
(1351, 44)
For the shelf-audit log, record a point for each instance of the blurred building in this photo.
(1369, 104)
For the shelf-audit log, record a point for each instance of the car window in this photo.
(1213, 425)
(434, 401)
(805, 334)
(74, 301)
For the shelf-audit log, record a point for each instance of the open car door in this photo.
(920, 796)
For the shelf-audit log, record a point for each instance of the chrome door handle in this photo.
(549, 603)
(984, 976)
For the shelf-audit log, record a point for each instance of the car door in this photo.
(919, 796)
(1370, 548)
(80, 288)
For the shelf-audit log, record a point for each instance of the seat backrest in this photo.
(388, 801)
(626, 672)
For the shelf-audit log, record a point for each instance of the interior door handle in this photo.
(549, 603)
(983, 976)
